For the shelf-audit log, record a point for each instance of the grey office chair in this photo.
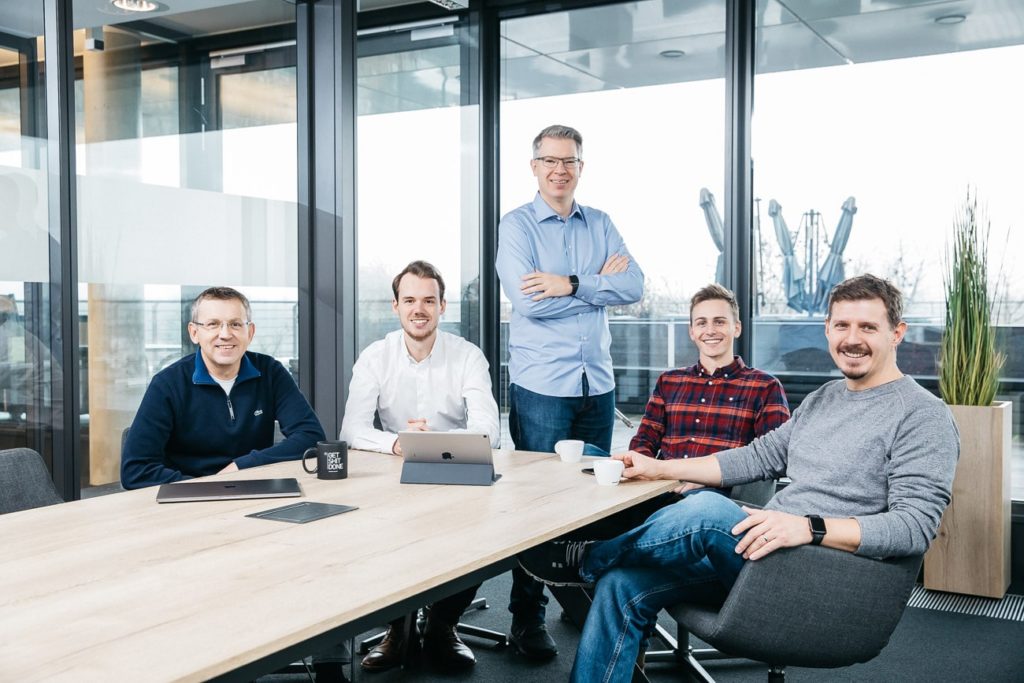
(756, 494)
(25, 482)
(807, 606)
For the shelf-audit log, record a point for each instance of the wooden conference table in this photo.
(121, 588)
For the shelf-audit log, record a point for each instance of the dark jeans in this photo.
(536, 422)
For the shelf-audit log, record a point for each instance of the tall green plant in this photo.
(969, 363)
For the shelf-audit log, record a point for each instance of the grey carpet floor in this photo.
(927, 646)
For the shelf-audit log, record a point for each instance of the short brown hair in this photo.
(221, 294)
(419, 269)
(868, 286)
(712, 292)
(559, 132)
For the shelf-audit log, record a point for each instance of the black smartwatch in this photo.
(575, 282)
(817, 528)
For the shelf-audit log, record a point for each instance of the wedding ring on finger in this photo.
(765, 539)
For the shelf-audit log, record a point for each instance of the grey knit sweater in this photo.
(884, 456)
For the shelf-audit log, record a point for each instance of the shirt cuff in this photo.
(588, 287)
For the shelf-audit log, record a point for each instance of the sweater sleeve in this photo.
(299, 424)
(920, 477)
(143, 457)
(766, 457)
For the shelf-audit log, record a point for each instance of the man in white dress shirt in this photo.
(420, 378)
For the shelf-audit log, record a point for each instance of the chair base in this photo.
(689, 658)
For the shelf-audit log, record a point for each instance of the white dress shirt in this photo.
(450, 388)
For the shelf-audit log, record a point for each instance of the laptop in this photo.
(186, 491)
(447, 458)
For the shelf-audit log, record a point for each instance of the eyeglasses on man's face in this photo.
(571, 164)
(214, 326)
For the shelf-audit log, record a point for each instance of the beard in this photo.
(854, 374)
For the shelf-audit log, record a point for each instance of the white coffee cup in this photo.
(569, 450)
(608, 471)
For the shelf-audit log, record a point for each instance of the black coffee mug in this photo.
(331, 460)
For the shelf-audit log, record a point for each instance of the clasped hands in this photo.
(418, 424)
(547, 285)
(764, 531)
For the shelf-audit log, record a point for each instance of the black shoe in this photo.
(387, 654)
(329, 672)
(441, 643)
(533, 642)
(556, 563)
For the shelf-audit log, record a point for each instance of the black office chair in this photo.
(807, 606)
(25, 482)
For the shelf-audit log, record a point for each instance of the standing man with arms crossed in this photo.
(871, 458)
(420, 378)
(560, 265)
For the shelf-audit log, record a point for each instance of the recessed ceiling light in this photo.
(135, 5)
(672, 54)
(950, 19)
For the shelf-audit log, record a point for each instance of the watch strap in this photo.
(575, 282)
(818, 529)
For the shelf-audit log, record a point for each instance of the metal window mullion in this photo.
(61, 214)
(739, 80)
(489, 74)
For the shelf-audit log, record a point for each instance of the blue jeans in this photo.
(536, 422)
(682, 553)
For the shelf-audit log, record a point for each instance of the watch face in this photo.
(817, 524)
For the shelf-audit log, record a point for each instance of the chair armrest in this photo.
(812, 606)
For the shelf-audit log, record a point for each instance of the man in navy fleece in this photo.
(214, 411)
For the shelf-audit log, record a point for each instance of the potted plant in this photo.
(972, 551)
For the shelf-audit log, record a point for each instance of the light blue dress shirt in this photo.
(552, 342)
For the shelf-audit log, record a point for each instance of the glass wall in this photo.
(186, 153)
(27, 408)
(644, 84)
(418, 141)
(869, 129)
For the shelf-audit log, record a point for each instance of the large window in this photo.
(418, 172)
(186, 132)
(869, 129)
(27, 361)
(643, 82)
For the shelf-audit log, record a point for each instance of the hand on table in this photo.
(638, 465)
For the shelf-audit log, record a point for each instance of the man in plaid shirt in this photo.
(718, 403)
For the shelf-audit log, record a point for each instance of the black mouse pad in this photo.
(300, 513)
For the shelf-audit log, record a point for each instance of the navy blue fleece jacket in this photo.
(187, 427)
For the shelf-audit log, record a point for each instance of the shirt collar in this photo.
(202, 376)
(437, 350)
(731, 370)
(542, 211)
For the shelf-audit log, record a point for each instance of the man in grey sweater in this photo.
(871, 458)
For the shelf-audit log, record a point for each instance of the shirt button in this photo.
(710, 382)
(698, 420)
(692, 439)
(702, 400)
(730, 398)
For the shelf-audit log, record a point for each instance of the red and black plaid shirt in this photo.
(693, 413)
